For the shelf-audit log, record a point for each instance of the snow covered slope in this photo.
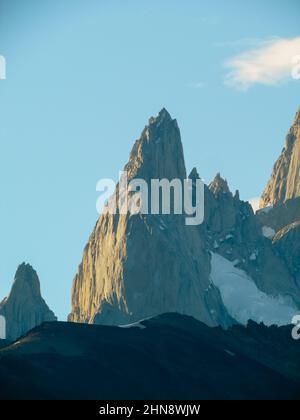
(243, 300)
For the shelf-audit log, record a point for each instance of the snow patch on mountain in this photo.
(134, 325)
(138, 324)
(2, 328)
(243, 300)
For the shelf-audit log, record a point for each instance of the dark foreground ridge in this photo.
(168, 357)
(4, 343)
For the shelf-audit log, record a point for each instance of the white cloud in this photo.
(269, 63)
(255, 203)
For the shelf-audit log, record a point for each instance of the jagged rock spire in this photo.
(26, 281)
(284, 183)
(297, 119)
(219, 185)
(163, 116)
(139, 266)
(24, 308)
(158, 153)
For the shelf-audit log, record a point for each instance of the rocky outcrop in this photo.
(219, 186)
(137, 266)
(279, 216)
(287, 242)
(280, 205)
(284, 183)
(24, 308)
(232, 230)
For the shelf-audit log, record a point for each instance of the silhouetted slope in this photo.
(4, 343)
(168, 357)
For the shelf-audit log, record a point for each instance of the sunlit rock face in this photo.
(284, 182)
(280, 210)
(137, 266)
(24, 308)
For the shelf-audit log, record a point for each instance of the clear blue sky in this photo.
(83, 77)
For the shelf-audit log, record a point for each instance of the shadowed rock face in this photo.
(24, 308)
(281, 215)
(284, 183)
(138, 266)
(280, 205)
(4, 343)
(232, 230)
(287, 242)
